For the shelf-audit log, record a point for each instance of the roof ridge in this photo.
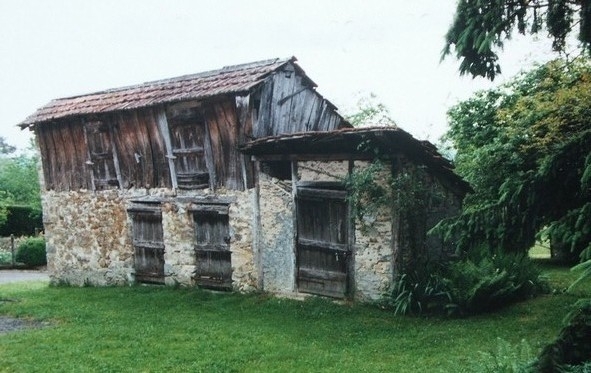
(203, 74)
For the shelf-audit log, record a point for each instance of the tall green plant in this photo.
(476, 284)
(525, 147)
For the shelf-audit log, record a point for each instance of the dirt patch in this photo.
(11, 324)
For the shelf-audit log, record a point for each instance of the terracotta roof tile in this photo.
(230, 79)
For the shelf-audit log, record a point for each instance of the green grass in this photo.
(540, 251)
(155, 329)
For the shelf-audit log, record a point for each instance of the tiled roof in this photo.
(230, 79)
(361, 142)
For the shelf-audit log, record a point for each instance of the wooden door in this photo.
(102, 157)
(148, 244)
(188, 148)
(212, 249)
(322, 251)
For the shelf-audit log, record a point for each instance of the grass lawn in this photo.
(157, 329)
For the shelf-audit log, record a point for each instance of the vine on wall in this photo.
(407, 193)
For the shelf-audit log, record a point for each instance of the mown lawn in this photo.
(156, 329)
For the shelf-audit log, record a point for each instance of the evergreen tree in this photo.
(480, 28)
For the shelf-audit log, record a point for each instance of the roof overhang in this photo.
(355, 144)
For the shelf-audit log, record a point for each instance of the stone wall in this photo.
(89, 234)
(374, 249)
(89, 237)
(371, 252)
(323, 170)
(244, 271)
(276, 235)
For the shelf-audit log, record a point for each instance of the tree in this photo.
(369, 112)
(480, 28)
(526, 149)
(5, 148)
(19, 181)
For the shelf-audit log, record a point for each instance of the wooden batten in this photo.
(322, 245)
(210, 208)
(164, 131)
(151, 208)
(244, 111)
(321, 193)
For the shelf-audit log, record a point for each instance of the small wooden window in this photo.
(102, 155)
(212, 247)
(188, 136)
(148, 244)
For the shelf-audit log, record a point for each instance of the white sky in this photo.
(59, 48)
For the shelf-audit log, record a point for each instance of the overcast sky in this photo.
(52, 49)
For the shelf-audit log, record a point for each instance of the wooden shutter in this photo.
(188, 148)
(212, 248)
(322, 252)
(148, 244)
(102, 155)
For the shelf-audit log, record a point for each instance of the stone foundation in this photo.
(89, 236)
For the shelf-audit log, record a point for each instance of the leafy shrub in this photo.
(32, 252)
(476, 284)
(419, 293)
(21, 221)
(5, 257)
(571, 351)
(491, 282)
(506, 358)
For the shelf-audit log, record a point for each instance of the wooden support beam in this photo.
(165, 132)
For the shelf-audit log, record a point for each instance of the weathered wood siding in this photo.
(122, 150)
(129, 149)
(289, 105)
(222, 123)
(140, 149)
(64, 155)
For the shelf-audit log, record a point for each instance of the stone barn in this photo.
(228, 179)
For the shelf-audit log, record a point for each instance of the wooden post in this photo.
(12, 248)
(165, 132)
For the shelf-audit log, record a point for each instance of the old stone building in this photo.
(228, 179)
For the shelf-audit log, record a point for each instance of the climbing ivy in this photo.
(404, 191)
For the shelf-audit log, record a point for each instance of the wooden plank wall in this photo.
(141, 150)
(64, 155)
(137, 142)
(222, 121)
(287, 105)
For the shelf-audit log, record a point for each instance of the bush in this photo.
(32, 252)
(571, 351)
(476, 284)
(507, 358)
(418, 293)
(491, 282)
(21, 221)
(5, 257)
